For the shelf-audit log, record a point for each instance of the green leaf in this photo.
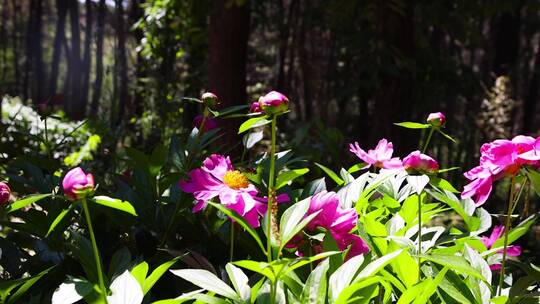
(314, 291)
(253, 123)
(343, 276)
(250, 139)
(139, 272)
(431, 287)
(72, 291)
(314, 187)
(27, 285)
(516, 232)
(240, 220)
(59, 218)
(157, 159)
(120, 261)
(447, 136)
(239, 281)
(441, 183)
(258, 267)
(412, 125)
(373, 267)
(292, 221)
(331, 174)
(411, 293)
(285, 177)
(157, 273)
(356, 290)
(26, 201)
(534, 177)
(115, 204)
(207, 280)
(454, 262)
(357, 167)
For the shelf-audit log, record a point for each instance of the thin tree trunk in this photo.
(229, 31)
(76, 107)
(140, 71)
(100, 30)
(61, 6)
(38, 83)
(529, 107)
(87, 58)
(3, 34)
(15, 45)
(122, 79)
(29, 53)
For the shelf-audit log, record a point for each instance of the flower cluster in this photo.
(499, 159)
(334, 219)
(381, 157)
(218, 178)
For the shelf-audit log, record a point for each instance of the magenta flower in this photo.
(512, 250)
(5, 193)
(380, 157)
(338, 221)
(255, 107)
(218, 178)
(209, 124)
(498, 159)
(274, 103)
(420, 162)
(77, 184)
(436, 119)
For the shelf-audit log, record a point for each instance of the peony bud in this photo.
(274, 103)
(77, 184)
(418, 162)
(209, 99)
(5, 193)
(436, 119)
(255, 107)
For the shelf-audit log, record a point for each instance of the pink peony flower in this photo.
(255, 107)
(480, 187)
(380, 157)
(5, 193)
(436, 119)
(218, 178)
(209, 124)
(420, 162)
(338, 221)
(274, 103)
(512, 250)
(77, 184)
(498, 159)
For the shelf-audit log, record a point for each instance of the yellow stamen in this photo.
(235, 180)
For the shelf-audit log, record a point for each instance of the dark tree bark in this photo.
(38, 83)
(394, 98)
(100, 30)
(15, 45)
(87, 57)
(3, 35)
(29, 53)
(229, 31)
(122, 78)
(61, 7)
(76, 106)
(507, 35)
(532, 97)
(140, 71)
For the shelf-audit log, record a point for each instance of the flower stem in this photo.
(272, 292)
(97, 259)
(419, 233)
(428, 139)
(271, 189)
(506, 229)
(231, 250)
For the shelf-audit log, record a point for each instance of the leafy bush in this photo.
(263, 228)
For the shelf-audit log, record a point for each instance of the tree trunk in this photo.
(100, 30)
(507, 29)
(61, 7)
(532, 97)
(87, 57)
(394, 99)
(3, 34)
(140, 71)
(229, 31)
(76, 106)
(15, 45)
(122, 79)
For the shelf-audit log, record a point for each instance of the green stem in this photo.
(419, 233)
(272, 292)
(506, 229)
(231, 252)
(428, 140)
(95, 250)
(271, 189)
